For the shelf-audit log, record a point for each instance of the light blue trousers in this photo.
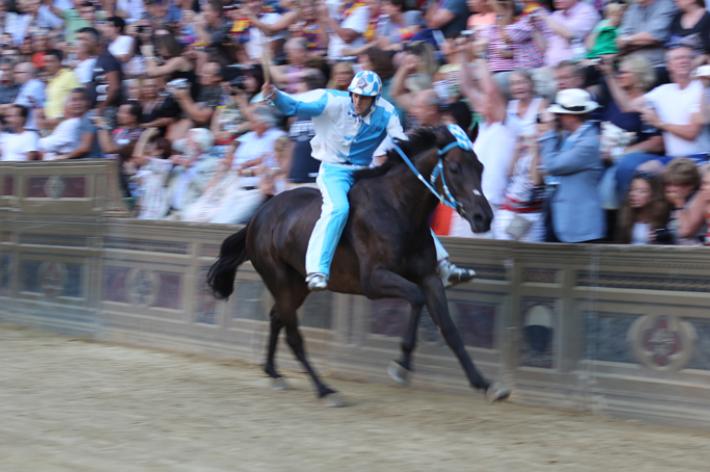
(334, 182)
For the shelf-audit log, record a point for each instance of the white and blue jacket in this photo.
(342, 136)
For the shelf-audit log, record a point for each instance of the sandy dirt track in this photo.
(71, 405)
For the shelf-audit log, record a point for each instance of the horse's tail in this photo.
(232, 254)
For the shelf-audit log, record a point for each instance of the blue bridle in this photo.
(447, 198)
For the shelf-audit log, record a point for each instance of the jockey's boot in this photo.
(316, 281)
(452, 275)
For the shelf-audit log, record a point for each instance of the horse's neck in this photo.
(414, 197)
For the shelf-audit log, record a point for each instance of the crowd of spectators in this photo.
(593, 117)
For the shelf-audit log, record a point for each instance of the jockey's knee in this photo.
(338, 211)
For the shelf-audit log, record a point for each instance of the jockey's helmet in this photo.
(366, 83)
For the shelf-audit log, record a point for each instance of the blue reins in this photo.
(447, 197)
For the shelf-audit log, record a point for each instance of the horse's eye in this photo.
(455, 167)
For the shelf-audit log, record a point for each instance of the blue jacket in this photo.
(574, 167)
(342, 136)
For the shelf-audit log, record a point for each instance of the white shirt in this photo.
(357, 21)
(16, 146)
(63, 139)
(123, 45)
(257, 39)
(31, 94)
(495, 147)
(133, 8)
(676, 106)
(251, 146)
(84, 70)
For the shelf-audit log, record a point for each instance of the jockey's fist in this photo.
(268, 90)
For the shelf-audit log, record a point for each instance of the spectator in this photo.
(193, 170)
(107, 77)
(691, 26)
(254, 152)
(524, 108)
(63, 138)
(288, 75)
(646, 28)
(346, 29)
(341, 75)
(61, 82)
(18, 143)
(31, 93)
(396, 25)
(509, 40)
(8, 88)
(303, 168)
(572, 167)
(114, 143)
(199, 112)
(672, 108)
(569, 25)
(495, 145)
(623, 132)
(482, 14)
(644, 213)
(85, 60)
(87, 142)
(212, 30)
(449, 16)
(170, 61)
(681, 180)
(159, 108)
(602, 39)
(130, 10)
(120, 45)
(696, 215)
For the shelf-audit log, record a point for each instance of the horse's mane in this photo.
(420, 140)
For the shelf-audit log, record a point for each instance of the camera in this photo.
(239, 82)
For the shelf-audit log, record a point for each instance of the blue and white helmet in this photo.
(366, 83)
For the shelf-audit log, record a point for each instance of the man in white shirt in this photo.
(65, 137)
(31, 94)
(18, 144)
(672, 108)
(119, 44)
(346, 29)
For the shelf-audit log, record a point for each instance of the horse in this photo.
(386, 250)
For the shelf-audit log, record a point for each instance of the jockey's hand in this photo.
(268, 90)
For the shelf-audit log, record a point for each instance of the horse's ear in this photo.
(473, 133)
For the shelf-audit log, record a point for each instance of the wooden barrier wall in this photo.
(609, 329)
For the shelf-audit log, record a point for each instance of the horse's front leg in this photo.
(439, 310)
(400, 370)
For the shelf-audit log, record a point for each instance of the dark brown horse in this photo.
(386, 250)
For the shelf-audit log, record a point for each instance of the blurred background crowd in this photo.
(592, 117)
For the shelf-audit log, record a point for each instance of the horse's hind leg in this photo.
(270, 366)
(289, 291)
(295, 341)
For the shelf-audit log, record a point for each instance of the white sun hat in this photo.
(573, 102)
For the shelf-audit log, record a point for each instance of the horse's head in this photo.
(462, 174)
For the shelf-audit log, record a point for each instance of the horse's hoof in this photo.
(279, 384)
(398, 373)
(497, 392)
(334, 400)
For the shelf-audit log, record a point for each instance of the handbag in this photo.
(518, 227)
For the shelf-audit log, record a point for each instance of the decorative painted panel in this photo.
(205, 302)
(317, 310)
(115, 284)
(476, 322)
(637, 281)
(5, 273)
(248, 301)
(605, 337)
(701, 355)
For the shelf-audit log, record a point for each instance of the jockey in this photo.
(351, 129)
